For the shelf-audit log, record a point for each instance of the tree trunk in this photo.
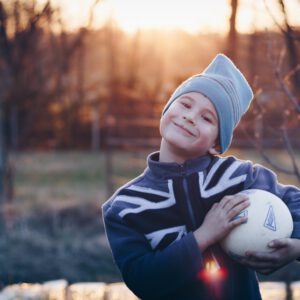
(3, 165)
(2, 155)
(232, 35)
(110, 116)
(95, 129)
(13, 128)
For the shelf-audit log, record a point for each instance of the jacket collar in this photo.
(164, 170)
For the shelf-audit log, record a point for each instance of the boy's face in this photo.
(190, 126)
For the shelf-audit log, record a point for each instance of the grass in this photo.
(54, 227)
(59, 176)
(69, 175)
(75, 176)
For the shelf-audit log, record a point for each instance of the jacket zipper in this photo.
(189, 203)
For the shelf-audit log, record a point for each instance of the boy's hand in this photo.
(285, 251)
(219, 220)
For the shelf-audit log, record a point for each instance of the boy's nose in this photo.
(189, 119)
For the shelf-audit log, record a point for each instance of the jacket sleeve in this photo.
(260, 177)
(150, 273)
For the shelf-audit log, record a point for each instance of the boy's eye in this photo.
(185, 105)
(207, 119)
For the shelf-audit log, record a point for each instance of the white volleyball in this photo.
(268, 218)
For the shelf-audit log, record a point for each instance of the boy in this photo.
(165, 226)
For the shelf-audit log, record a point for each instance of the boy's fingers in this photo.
(260, 257)
(234, 211)
(225, 201)
(278, 243)
(230, 201)
(257, 264)
(237, 222)
(260, 263)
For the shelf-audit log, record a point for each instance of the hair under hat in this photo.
(228, 90)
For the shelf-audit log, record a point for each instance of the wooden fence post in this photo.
(119, 291)
(273, 290)
(87, 291)
(295, 290)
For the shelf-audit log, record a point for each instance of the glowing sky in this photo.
(189, 15)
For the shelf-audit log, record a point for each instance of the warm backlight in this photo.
(212, 272)
(189, 15)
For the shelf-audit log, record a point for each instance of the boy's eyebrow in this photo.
(188, 97)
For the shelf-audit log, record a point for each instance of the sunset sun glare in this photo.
(190, 15)
(187, 15)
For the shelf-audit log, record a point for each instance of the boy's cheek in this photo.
(164, 124)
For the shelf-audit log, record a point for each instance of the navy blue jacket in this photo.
(150, 221)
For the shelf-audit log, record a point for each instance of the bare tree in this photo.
(36, 74)
(232, 34)
(19, 25)
(22, 81)
(4, 72)
(285, 65)
(114, 85)
(291, 37)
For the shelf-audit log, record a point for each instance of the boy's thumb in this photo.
(277, 243)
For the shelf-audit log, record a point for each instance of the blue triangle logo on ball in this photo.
(270, 221)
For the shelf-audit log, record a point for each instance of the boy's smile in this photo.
(189, 128)
(184, 129)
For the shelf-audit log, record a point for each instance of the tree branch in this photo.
(290, 32)
(277, 68)
(289, 148)
(260, 148)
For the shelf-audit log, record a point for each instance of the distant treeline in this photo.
(92, 89)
